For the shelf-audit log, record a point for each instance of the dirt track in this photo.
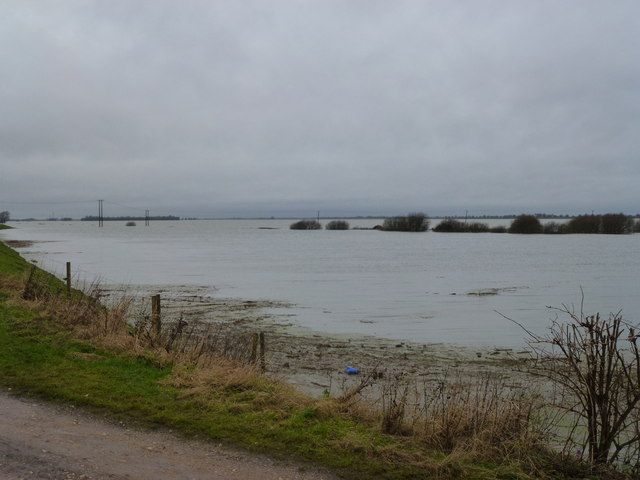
(41, 441)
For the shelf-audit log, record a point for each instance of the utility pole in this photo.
(100, 214)
(146, 218)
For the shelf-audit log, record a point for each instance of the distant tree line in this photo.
(608, 224)
(316, 225)
(92, 218)
(452, 225)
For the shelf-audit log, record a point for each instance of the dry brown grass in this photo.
(468, 418)
(479, 413)
(126, 325)
(206, 357)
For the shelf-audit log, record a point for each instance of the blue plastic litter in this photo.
(351, 370)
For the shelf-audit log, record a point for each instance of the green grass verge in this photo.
(38, 357)
(4, 227)
(11, 264)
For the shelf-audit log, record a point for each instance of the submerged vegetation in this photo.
(453, 225)
(526, 224)
(413, 222)
(306, 225)
(337, 225)
(609, 223)
(204, 381)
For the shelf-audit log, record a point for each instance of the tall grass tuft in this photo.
(122, 326)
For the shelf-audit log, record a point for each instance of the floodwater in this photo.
(420, 287)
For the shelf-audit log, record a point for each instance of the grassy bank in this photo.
(74, 350)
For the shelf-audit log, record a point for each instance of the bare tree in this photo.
(4, 217)
(599, 367)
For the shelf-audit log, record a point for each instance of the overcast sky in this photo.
(352, 107)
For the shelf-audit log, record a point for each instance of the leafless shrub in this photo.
(395, 396)
(353, 394)
(596, 361)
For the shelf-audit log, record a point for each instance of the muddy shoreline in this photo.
(315, 361)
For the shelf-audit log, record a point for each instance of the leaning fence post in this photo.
(156, 323)
(68, 279)
(262, 352)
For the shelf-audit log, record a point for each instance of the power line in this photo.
(123, 206)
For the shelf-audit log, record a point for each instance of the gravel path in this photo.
(42, 441)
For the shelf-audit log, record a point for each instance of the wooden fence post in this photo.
(68, 279)
(156, 322)
(254, 348)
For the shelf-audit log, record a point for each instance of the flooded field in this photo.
(426, 287)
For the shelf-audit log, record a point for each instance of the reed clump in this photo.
(483, 416)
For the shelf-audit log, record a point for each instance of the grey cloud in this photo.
(359, 106)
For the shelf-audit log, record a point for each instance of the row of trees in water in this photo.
(413, 222)
(609, 223)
